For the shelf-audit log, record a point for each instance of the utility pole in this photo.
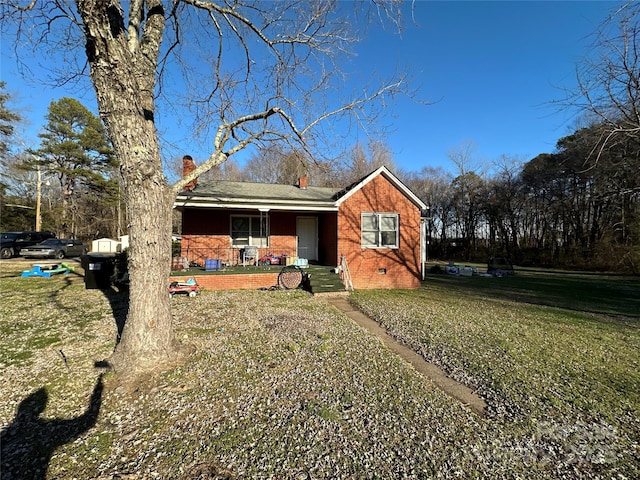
(38, 200)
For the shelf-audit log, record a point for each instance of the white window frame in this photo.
(373, 236)
(253, 237)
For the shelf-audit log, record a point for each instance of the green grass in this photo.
(324, 280)
(610, 294)
(556, 354)
(284, 386)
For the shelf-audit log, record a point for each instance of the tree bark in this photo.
(123, 70)
(147, 341)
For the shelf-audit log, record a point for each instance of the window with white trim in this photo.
(380, 230)
(249, 230)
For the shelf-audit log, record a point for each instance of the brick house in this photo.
(374, 224)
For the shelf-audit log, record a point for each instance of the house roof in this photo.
(263, 196)
(246, 195)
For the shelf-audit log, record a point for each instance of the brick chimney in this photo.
(303, 182)
(188, 166)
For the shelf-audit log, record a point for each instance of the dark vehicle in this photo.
(56, 248)
(14, 242)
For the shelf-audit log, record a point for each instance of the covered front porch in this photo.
(248, 237)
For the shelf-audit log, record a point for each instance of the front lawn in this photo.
(556, 355)
(284, 386)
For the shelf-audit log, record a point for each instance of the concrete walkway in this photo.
(435, 374)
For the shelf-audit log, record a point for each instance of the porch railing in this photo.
(231, 256)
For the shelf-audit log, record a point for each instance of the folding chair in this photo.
(249, 252)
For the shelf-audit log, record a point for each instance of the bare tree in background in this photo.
(276, 165)
(255, 72)
(467, 188)
(609, 81)
(361, 161)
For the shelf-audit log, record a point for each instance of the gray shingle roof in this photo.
(246, 195)
(223, 189)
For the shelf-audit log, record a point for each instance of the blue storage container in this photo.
(301, 262)
(211, 265)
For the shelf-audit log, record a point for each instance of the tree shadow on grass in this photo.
(119, 301)
(26, 446)
(591, 293)
(104, 273)
(118, 297)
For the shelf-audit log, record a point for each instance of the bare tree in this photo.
(433, 186)
(229, 170)
(256, 72)
(468, 189)
(275, 165)
(503, 205)
(609, 80)
(361, 161)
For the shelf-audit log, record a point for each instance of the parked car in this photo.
(14, 242)
(56, 248)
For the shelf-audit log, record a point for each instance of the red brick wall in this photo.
(198, 248)
(252, 281)
(282, 230)
(401, 266)
(205, 221)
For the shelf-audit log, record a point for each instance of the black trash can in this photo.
(98, 269)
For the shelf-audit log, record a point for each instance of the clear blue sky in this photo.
(492, 69)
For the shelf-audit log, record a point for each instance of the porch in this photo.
(224, 236)
(323, 279)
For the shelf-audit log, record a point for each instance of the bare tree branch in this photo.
(222, 137)
(609, 81)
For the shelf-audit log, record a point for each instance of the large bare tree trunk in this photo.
(147, 342)
(123, 69)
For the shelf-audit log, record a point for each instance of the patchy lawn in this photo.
(565, 376)
(284, 386)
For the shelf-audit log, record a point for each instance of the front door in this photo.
(307, 231)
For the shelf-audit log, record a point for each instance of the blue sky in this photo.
(491, 70)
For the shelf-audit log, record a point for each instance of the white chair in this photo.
(250, 252)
